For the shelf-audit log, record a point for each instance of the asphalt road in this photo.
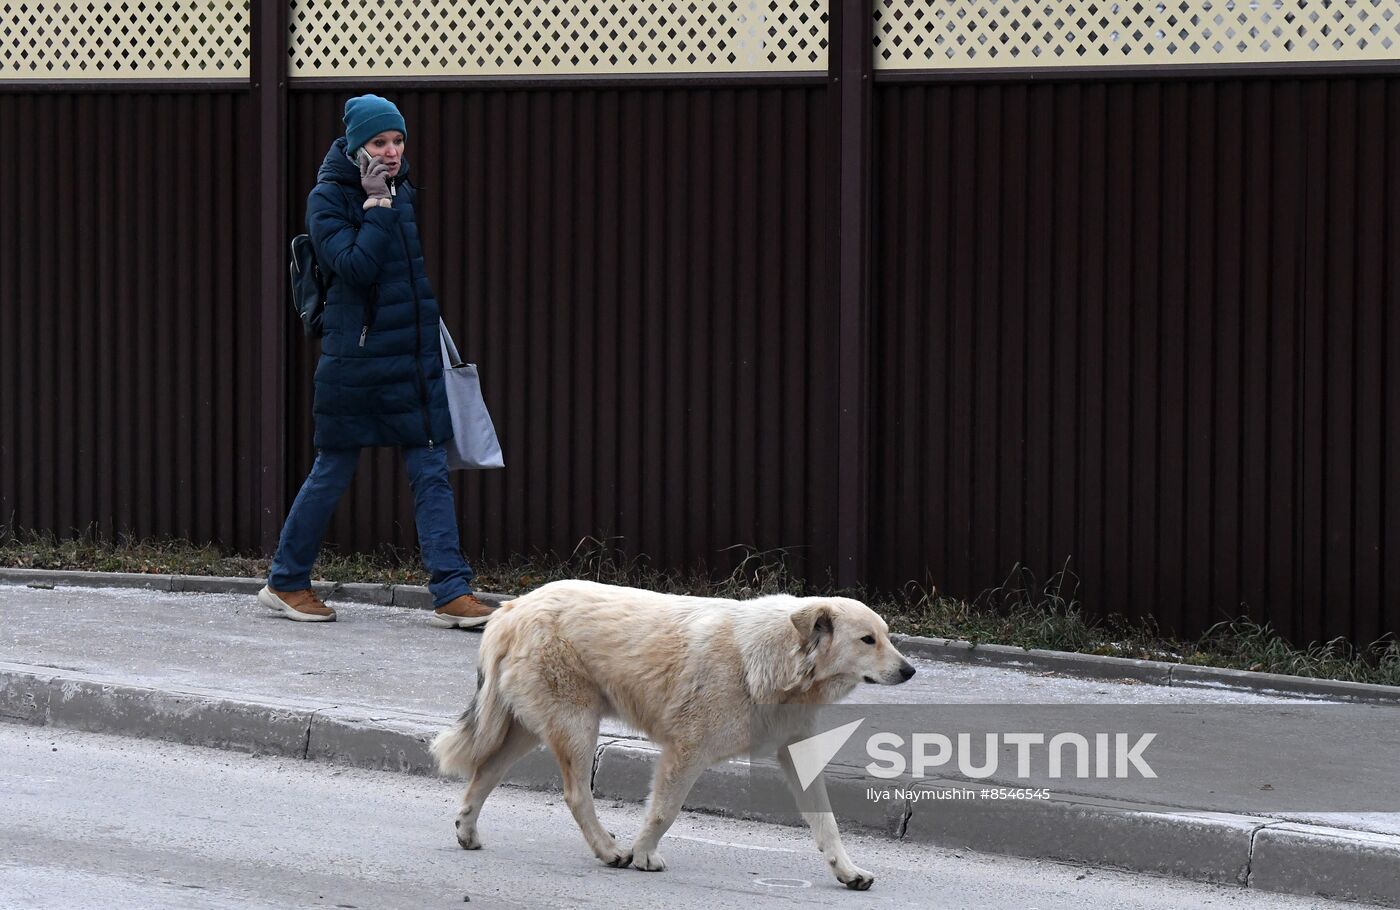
(90, 821)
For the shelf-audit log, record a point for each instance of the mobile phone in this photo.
(363, 157)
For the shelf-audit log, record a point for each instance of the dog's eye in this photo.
(869, 639)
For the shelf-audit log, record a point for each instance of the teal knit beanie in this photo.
(366, 117)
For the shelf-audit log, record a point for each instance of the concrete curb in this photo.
(411, 596)
(1213, 847)
(624, 768)
(1155, 672)
(79, 701)
(1350, 865)
(48, 578)
(1087, 666)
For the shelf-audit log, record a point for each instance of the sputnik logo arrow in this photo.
(810, 756)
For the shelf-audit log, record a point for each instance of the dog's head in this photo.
(844, 642)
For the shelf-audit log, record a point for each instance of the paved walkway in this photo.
(387, 662)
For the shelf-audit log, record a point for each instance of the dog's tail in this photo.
(483, 725)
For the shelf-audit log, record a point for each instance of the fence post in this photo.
(850, 65)
(269, 196)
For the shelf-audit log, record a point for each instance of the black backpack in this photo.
(309, 283)
(308, 286)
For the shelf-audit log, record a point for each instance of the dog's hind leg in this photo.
(574, 745)
(489, 773)
(823, 825)
(676, 772)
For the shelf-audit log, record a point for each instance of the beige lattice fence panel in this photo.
(961, 34)
(464, 38)
(152, 39)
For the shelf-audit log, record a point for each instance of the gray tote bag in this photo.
(474, 444)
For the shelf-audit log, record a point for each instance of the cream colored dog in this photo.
(683, 670)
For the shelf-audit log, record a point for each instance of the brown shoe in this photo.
(466, 612)
(303, 606)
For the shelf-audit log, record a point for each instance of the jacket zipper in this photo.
(417, 332)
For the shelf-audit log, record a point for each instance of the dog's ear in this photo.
(813, 622)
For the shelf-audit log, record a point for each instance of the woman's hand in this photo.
(374, 177)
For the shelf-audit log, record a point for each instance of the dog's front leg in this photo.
(676, 772)
(823, 825)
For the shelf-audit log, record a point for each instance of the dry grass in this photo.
(1022, 611)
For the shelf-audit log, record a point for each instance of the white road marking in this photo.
(725, 843)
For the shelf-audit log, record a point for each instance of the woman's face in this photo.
(389, 146)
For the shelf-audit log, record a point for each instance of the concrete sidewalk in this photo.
(371, 690)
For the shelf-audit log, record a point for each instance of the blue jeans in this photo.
(449, 574)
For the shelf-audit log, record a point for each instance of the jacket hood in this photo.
(337, 167)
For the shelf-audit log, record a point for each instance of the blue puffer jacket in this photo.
(383, 386)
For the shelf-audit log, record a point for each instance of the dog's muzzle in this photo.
(902, 675)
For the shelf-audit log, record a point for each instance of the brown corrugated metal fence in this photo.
(640, 275)
(1142, 326)
(129, 351)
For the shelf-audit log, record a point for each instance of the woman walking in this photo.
(379, 380)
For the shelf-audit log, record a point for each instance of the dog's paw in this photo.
(616, 857)
(649, 862)
(856, 879)
(468, 839)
